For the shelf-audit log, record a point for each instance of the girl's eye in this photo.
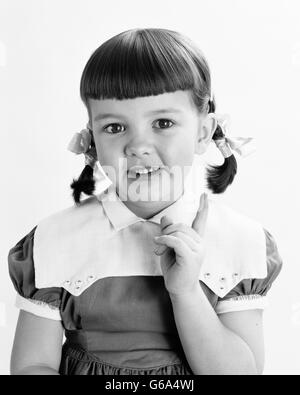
(164, 123)
(115, 128)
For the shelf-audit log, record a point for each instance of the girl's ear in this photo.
(206, 131)
(93, 150)
(89, 127)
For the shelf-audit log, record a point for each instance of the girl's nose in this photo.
(138, 148)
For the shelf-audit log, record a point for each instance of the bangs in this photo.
(145, 62)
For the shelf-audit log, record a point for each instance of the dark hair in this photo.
(85, 182)
(219, 177)
(149, 62)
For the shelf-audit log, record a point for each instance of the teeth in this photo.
(149, 170)
(144, 170)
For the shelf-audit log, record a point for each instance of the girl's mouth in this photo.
(144, 176)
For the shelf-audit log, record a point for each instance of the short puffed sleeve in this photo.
(252, 293)
(44, 302)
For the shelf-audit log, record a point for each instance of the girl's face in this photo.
(164, 130)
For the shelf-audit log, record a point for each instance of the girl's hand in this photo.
(182, 251)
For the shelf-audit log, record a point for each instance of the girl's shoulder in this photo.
(55, 234)
(87, 210)
(239, 249)
(34, 270)
(42, 302)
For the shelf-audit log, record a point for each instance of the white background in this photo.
(253, 48)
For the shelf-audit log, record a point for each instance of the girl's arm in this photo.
(37, 346)
(231, 343)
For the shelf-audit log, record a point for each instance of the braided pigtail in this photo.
(219, 177)
(86, 182)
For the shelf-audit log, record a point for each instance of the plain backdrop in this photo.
(253, 48)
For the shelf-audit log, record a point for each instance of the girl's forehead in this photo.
(178, 101)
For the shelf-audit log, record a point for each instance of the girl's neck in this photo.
(147, 210)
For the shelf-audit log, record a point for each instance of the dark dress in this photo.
(122, 325)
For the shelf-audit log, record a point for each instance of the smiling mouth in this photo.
(143, 175)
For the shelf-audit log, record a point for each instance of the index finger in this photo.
(200, 220)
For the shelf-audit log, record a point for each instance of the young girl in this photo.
(146, 275)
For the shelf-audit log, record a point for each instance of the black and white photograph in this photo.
(150, 203)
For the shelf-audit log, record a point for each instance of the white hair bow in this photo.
(80, 144)
(242, 145)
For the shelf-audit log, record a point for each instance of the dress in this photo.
(93, 268)
(122, 325)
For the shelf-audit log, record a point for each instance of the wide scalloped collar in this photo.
(79, 245)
